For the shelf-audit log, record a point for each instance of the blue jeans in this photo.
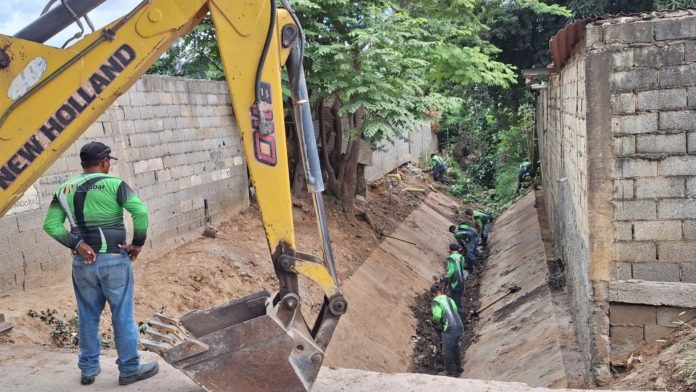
(451, 353)
(456, 295)
(108, 279)
(439, 173)
(485, 231)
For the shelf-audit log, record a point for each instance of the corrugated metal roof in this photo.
(563, 43)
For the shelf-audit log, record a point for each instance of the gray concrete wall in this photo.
(177, 146)
(636, 257)
(562, 134)
(420, 142)
(652, 78)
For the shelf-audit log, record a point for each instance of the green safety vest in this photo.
(445, 312)
(481, 218)
(437, 161)
(94, 203)
(465, 233)
(456, 270)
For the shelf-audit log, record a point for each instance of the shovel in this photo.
(511, 289)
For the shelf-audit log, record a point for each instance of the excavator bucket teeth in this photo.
(248, 344)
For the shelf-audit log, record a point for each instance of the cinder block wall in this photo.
(420, 142)
(653, 73)
(562, 137)
(178, 147)
(640, 84)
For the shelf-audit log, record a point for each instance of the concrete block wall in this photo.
(640, 84)
(652, 87)
(420, 142)
(562, 133)
(178, 148)
(635, 325)
(653, 121)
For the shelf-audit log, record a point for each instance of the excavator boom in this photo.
(260, 342)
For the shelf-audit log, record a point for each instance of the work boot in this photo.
(88, 380)
(146, 370)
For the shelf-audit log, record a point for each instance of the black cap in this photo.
(435, 288)
(454, 247)
(95, 152)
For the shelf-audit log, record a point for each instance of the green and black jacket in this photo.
(94, 203)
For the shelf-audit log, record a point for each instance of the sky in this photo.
(15, 14)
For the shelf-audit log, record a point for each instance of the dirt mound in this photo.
(664, 365)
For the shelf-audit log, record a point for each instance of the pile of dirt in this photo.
(664, 365)
(392, 198)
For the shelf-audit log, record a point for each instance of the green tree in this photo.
(674, 4)
(387, 63)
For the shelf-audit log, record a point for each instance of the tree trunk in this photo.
(341, 168)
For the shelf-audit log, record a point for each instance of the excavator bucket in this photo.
(250, 344)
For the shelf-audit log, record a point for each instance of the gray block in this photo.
(636, 210)
(31, 221)
(635, 251)
(8, 224)
(677, 209)
(678, 252)
(678, 166)
(624, 103)
(624, 231)
(691, 187)
(622, 271)
(628, 32)
(675, 28)
(23, 240)
(677, 76)
(659, 187)
(671, 144)
(634, 124)
(688, 273)
(691, 142)
(629, 167)
(131, 113)
(689, 229)
(625, 145)
(656, 272)
(639, 79)
(147, 112)
(662, 99)
(657, 230)
(683, 120)
(623, 189)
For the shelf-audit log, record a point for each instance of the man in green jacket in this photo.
(446, 320)
(468, 238)
(439, 168)
(455, 275)
(526, 171)
(483, 221)
(93, 202)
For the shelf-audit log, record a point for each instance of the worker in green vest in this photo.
(439, 168)
(468, 238)
(525, 173)
(455, 275)
(447, 321)
(482, 221)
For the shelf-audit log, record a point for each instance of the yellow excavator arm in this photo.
(260, 342)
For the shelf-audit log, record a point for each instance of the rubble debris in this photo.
(65, 332)
(427, 355)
